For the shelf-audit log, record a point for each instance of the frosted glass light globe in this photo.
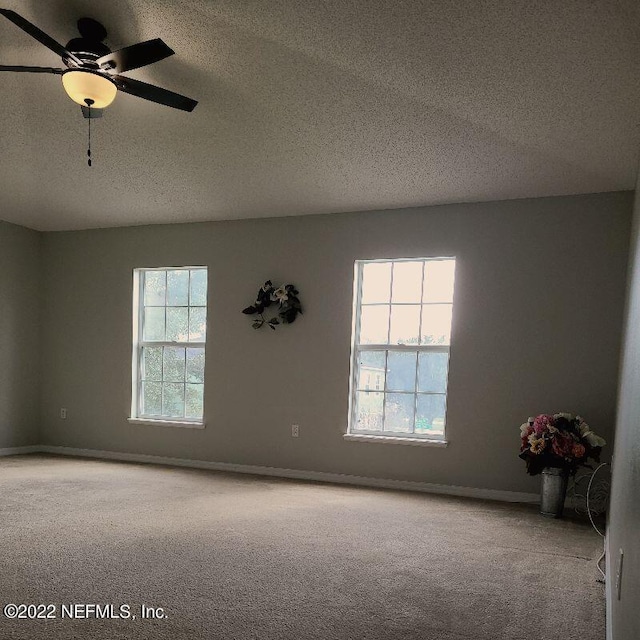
(82, 85)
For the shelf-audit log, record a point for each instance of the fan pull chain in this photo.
(89, 103)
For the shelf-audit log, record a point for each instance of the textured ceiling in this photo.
(324, 106)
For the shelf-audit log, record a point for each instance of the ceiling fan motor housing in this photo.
(85, 84)
(87, 50)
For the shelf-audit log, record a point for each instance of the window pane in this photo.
(198, 291)
(374, 325)
(432, 372)
(371, 370)
(407, 282)
(153, 323)
(401, 371)
(152, 363)
(376, 282)
(173, 400)
(195, 365)
(154, 288)
(174, 364)
(430, 416)
(151, 398)
(369, 411)
(197, 324)
(405, 324)
(194, 400)
(177, 324)
(438, 280)
(398, 412)
(178, 288)
(436, 324)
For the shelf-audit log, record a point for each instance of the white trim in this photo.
(416, 442)
(299, 474)
(437, 348)
(135, 353)
(19, 451)
(173, 343)
(608, 589)
(353, 356)
(167, 423)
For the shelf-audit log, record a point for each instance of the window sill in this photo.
(166, 423)
(415, 442)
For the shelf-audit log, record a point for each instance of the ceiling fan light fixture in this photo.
(83, 86)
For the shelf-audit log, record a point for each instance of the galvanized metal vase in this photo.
(554, 490)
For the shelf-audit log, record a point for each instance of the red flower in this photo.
(562, 445)
(578, 450)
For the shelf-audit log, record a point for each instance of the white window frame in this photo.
(138, 345)
(421, 439)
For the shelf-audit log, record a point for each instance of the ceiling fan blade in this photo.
(153, 93)
(135, 56)
(4, 67)
(39, 35)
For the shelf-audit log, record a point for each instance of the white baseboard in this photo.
(17, 451)
(318, 476)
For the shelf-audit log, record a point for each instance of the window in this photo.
(169, 335)
(401, 339)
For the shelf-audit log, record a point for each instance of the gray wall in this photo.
(19, 335)
(537, 328)
(624, 517)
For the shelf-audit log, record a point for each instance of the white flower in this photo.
(280, 294)
(594, 440)
(566, 416)
(523, 428)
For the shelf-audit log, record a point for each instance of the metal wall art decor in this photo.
(286, 299)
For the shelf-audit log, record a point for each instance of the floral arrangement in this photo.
(286, 297)
(560, 440)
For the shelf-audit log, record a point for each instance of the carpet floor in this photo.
(240, 557)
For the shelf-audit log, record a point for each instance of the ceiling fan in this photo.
(92, 77)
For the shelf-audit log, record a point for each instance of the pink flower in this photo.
(541, 423)
(578, 450)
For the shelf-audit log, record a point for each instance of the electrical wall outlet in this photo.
(295, 430)
(63, 413)
(619, 574)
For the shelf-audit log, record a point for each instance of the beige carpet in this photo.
(238, 557)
